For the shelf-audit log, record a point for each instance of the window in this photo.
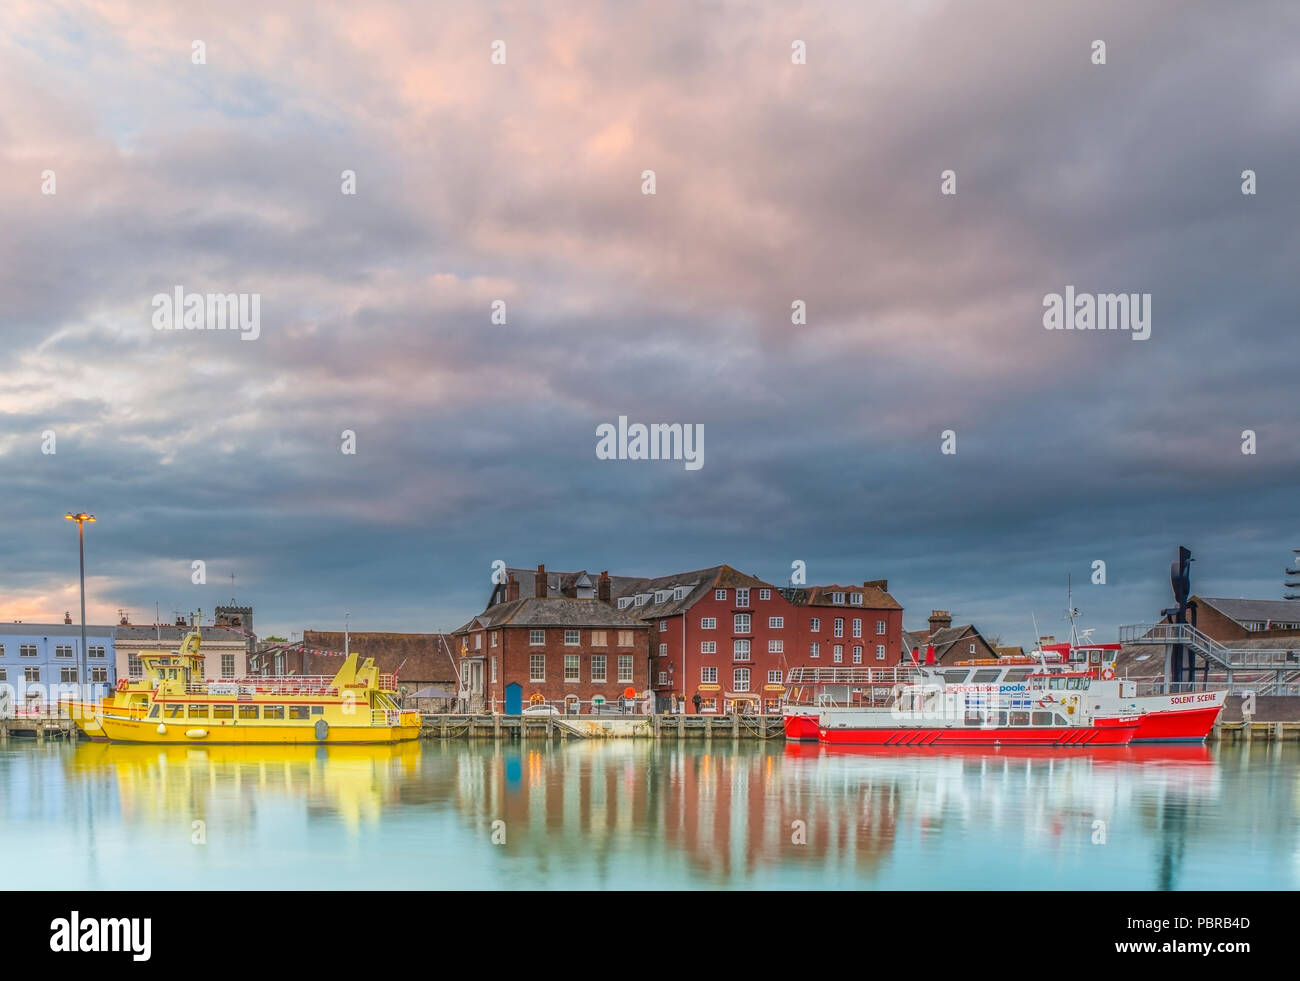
(719, 594)
(765, 594)
(1042, 718)
(571, 638)
(985, 676)
(492, 641)
(774, 677)
(742, 597)
(228, 711)
(572, 667)
(663, 678)
(857, 654)
(625, 638)
(972, 648)
(95, 651)
(624, 602)
(625, 667)
(815, 624)
(679, 593)
(598, 638)
(661, 595)
(880, 652)
(273, 711)
(494, 670)
(641, 598)
(740, 650)
(857, 628)
(299, 712)
(880, 628)
(740, 623)
(536, 667)
(708, 623)
(740, 679)
(776, 623)
(855, 599)
(2, 650)
(837, 598)
(663, 650)
(598, 667)
(26, 650)
(838, 654)
(708, 704)
(197, 711)
(708, 676)
(134, 667)
(31, 675)
(227, 665)
(1020, 718)
(815, 649)
(68, 675)
(172, 711)
(663, 626)
(839, 626)
(248, 711)
(708, 647)
(478, 642)
(98, 675)
(4, 674)
(775, 646)
(537, 638)
(63, 650)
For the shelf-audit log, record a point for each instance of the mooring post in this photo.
(496, 727)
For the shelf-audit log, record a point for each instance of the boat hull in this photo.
(119, 729)
(1102, 734)
(1176, 725)
(802, 728)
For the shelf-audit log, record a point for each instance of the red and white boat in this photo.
(1062, 695)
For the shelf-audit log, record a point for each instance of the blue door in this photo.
(514, 699)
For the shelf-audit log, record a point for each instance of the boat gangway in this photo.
(1264, 670)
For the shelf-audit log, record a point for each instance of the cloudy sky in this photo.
(522, 182)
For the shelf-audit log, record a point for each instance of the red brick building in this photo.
(730, 637)
(575, 652)
(950, 643)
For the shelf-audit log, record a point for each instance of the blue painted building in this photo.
(40, 663)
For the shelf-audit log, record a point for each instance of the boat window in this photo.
(1043, 718)
(1057, 684)
(1018, 674)
(1095, 657)
(153, 711)
(273, 712)
(1001, 718)
(198, 711)
(1072, 684)
(1020, 718)
(1085, 683)
(171, 674)
(985, 675)
(298, 711)
(955, 677)
(318, 710)
(974, 718)
(172, 712)
(223, 711)
(248, 711)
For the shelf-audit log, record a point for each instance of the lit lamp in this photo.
(81, 518)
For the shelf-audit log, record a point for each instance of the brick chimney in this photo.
(939, 620)
(512, 588)
(539, 583)
(603, 587)
(880, 584)
(67, 616)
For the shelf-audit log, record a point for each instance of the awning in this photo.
(433, 691)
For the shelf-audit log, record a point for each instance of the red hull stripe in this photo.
(1074, 735)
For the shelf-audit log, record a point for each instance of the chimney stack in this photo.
(603, 587)
(512, 588)
(939, 620)
(881, 584)
(539, 583)
(67, 617)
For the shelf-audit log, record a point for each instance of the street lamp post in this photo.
(82, 667)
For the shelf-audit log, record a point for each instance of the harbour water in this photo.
(640, 814)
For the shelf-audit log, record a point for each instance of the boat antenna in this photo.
(1038, 642)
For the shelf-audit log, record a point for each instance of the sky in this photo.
(520, 186)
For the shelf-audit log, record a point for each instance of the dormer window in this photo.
(837, 597)
(679, 593)
(855, 599)
(641, 599)
(661, 595)
(624, 602)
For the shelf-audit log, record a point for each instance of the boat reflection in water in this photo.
(162, 783)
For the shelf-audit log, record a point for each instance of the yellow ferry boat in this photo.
(172, 704)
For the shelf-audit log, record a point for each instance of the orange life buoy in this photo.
(1108, 672)
(121, 684)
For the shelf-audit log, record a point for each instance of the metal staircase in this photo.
(1283, 662)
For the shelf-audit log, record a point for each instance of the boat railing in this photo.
(892, 675)
(287, 685)
(388, 682)
(385, 717)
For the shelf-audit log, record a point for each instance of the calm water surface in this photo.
(632, 814)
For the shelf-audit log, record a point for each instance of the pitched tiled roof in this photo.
(554, 611)
(873, 597)
(171, 632)
(1247, 610)
(421, 657)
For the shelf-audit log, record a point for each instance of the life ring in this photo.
(1108, 673)
(121, 684)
